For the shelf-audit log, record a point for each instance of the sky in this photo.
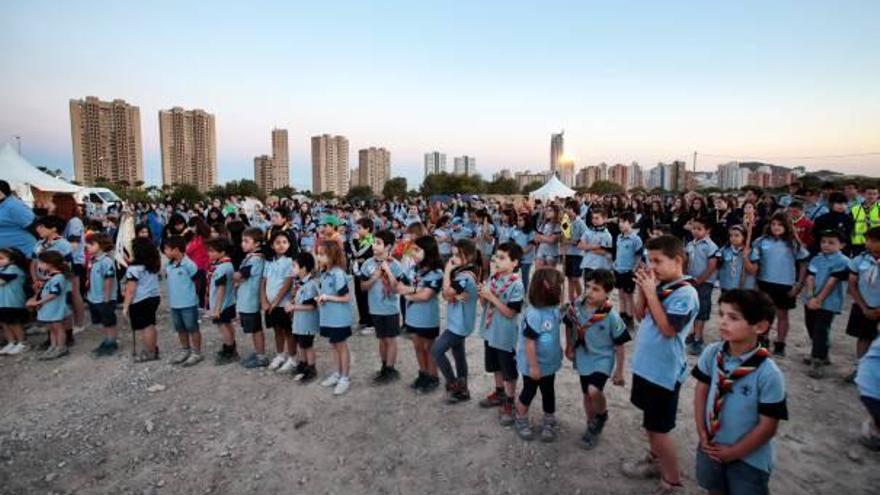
(645, 81)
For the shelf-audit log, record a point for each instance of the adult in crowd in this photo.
(15, 218)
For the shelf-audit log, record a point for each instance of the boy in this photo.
(361, 251)
(701, 266)
(838, 218)
(667, 304)
(102, 291)
(823, 296)
(221, 297)
(596, 244)
(305, 316)
(594, 343)
(248, 280)
(803, 226)
(502, 297)
(183, 300)
(864, 288)
(629, 252)
(379, 276)
(739, 399)
(49, 229)
(570, 238)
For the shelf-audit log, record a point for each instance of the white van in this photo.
(99, 200)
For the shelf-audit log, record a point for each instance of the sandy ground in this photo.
(82, 425)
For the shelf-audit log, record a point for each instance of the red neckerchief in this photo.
(726, 381)
(497, 292)
(580, 331)
(662, 294)
(215, 264)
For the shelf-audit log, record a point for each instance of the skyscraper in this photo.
(280, 158)
(465, 165)
(435, 163)
(636, 177)
(189, 148)
(106, 141)
(565, 171)
(557, 149)
(330, 164)
(264, 174)
(619, 174)
(374, 168)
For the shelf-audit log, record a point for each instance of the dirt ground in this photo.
(82, 425)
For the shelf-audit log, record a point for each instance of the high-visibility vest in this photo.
(864, 219)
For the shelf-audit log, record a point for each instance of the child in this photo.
(378, 276)
(524, 235)
(502, 298)
(573, 229)
(739, 399)
(420, 291)
(485, 238)
(596, 243)
(221, 297)
(141, 296)
(667, 304)
(103, 287)
(335, 312)
(701, 266)
(183, 300)
(548, 238)
(823, 297)
(864, 288)
(731, 266)
(248, 282)
(362, 250)
(594, 343)
(49, 230)
(539, 353)
(13, 314)
(50, 302)
(629, 252)
(781, 269)
(460, 290)
(304, 307)
(868, 381)
(275, 294)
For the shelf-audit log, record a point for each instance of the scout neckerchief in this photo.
(50, 274)
(386, 280)
(580, 331)
(217, 263)
(663, 293)
(467, 271)
(497, 292)
(91, 264)
(298, 283)
(726, 380)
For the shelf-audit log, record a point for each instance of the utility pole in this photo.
(18, 143)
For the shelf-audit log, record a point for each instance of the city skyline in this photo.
(736, 82)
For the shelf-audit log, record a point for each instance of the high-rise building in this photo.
(264, 173)
(731, 176)
(655, 177)
(106, 139)
(504, 173)
(465, 165)
(374, 168)
(525, 178)
(189, 148)
(619, 174)
(636, 177)
(674, 176)
(355, 179)
(565, 171)
(280, 158)
(435, 163)
(557, 149)
(603, 171)
(330, 165)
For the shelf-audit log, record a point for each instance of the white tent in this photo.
(554, 188)
(26, 180)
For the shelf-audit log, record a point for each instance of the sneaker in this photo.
(462, 394)
(278, 361)
(342, 385)
(506, 415)
(597, 424)
(523, 428)
(431, 384)
(419, 382)
(45, 346)
(816, 372)
(695, 348)
(331, 380)
(255, 361)
(180, 356)
(381, 376)
(589, 441)
(193, 359)
(779, 349)
(808, 360)
(644, 468)
(451, 387)
(299, 371)
(43, 356)
(8, 347)
(226, 355)
(548, 428)
(146, 356)
(78, 329)
(367, 331)
(391, 375)
(18, 349)
(106, 348)
(310, 374)
(494, 399)
(289, 365)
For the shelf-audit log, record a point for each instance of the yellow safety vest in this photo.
(864, 219)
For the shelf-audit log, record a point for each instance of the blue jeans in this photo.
(449, 340)
(733, 478)
(185, 320)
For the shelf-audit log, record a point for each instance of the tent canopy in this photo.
(554, 188)
(23, 176)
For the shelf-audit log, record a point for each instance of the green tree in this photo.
(502, 186)
(359, 193)
(187, 192)
(606, 187)
(395, 187)
(531, 186)
(283, 192)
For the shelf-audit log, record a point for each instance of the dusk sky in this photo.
(638, 80)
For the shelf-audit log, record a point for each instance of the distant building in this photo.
(636, 177)
(435, 163)
(655, 177)
(374, 168)
(330, 171)
(106, 138)
(280, 158)
(504, 173)
(465, 165)
(731, 176)
(355, 178)
(264, 173)
(588, 176)
(565, 171)
(189, 148)
(557, 149)
(525, 178)
(761, 178)
(603, 171)
(619, 174)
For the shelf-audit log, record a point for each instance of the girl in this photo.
(335, 312)
(12, 300)
(460, 290)
(305, 316)
(539, 353)
(277, 279)
(197, 234)
(422, 316)
(548, 238)
(141, 299)
(50, 302)
(524, 235)
(778, 259)
(444, 236)
(102, 291)
(731, 261)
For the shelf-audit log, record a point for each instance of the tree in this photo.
(531, 186)
(502, 186)
(283, 192)
(186, 192)
(444, 183)
(606, 187)
(362, 193)
(395, 187)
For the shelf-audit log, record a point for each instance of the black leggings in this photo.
(548, 392)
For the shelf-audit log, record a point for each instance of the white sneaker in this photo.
(78, 329)
(367, 331)
(288, 366)
(8, 347)
(342, 385)
(277, 361)
(17, 349)
(331, 380)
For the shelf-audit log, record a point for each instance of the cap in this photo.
(331, 220)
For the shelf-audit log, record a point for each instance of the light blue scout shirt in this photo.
(578, 228)
(730, 269)
(525, 242)
(333, 314)
(778, 260)
(308, 239)
(463, 231)
(56, 309)
(12, 287)
(815, 210)
(597, 237)
(276, 273)
(503, 231)
(147, 282)
(485, 245)
(659, 359)
(75, 232)
(103, 268)
(381, 301)
(501, 333)
(462, 315)
(425, 314)
(444, 246)
(247, 295)
(760, 393)
(549, 250)
(629, 250)
(868, 376)
(822, 267)
(181, 288)
(221, 276)
(601, 338)
(59, 245)
(867, 268)
(699, 252)
(542, 326)
(306, 322)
